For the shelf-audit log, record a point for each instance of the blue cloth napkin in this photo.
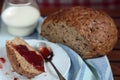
(90, 69)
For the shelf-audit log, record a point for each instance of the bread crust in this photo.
(96, 27)
(19, 64)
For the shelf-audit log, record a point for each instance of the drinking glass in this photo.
(20, 16)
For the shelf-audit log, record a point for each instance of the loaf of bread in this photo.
(18, 62)
(91, 33)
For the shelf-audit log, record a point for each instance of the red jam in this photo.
(2, 60)
(46, 53)
(1, 66)
(31, 56)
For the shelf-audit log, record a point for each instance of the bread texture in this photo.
(91, 33)
(18, 62)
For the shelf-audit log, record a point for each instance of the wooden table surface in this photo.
(114, 55)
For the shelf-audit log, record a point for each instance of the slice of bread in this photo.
(18, 62)
(91, 33)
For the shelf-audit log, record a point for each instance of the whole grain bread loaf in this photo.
(18, 62)
(91, 33)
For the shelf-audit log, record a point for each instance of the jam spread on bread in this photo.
(31, 56)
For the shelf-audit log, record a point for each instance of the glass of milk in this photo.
(20, 16)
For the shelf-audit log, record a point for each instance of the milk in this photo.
(20, 20)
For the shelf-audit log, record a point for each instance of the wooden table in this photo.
(114, 56)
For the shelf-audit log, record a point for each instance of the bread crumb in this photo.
(16, 78)
(6, 73)
(12, 70)
(45, 75)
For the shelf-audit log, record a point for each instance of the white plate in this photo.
(60, 59)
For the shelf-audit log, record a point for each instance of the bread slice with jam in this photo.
(24, 59)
